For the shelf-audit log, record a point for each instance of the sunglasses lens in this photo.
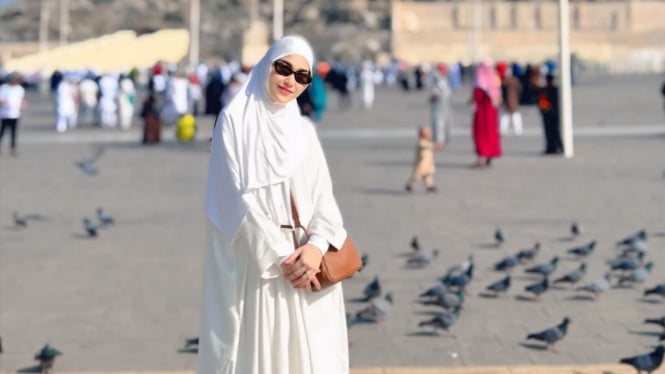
(303, 78)
(282, 69)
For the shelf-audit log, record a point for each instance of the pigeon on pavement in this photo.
(575, 229)
(500, 286)
(442, 321)
(89, 227)
(574, 276)
(656, 321)
(648, 362)
(104, 217)
(19, 221)
(376, 311)
(499, 236)
(638, 275)
(630, 239)
(372, 289)
(529, 254)
(46, 357)
(582, 251)
(657, 290)
(544, 269)
(552, 335)
(422, 259)
(598, 286)
(415, 244)
(539, 288)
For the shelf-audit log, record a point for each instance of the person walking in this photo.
(12, 101)
(548, 104)
(263, 311)
(511, 89)
(485, 100)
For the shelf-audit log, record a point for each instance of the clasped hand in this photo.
(301, 267)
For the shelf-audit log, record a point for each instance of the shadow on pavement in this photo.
(537, 347)
(30, 369)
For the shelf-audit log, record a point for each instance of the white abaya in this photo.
(253, 320)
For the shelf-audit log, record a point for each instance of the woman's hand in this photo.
(301, 267)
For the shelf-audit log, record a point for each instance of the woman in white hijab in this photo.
(261, 313)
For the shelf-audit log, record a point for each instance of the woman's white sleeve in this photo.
(326, 218)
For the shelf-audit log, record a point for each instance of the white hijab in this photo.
(256, 141)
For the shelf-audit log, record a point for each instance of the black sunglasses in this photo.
(284, 69)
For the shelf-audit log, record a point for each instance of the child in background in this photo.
(423, 167)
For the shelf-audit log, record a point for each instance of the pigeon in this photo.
(415, 245)
(364, 259)
(422, 259)
(544, 269)
(598, 286)
(104, 218)
(90, 228)
(46, 357)
(448, 300)
(19, 221)
(539, 288)
(461, 268)
(658, 290)
(529, 254)
(498, 236)
(575, 229)
(648, 362)
(376, 311)
(635, 248)
(434, 291)
(656, 321)
(502, 285)
(459, 281)
(87, 164)
(507, 263)
(638, 275)
(582, 251)
(192, 342)
(629, 240)
(372, 289)
(574, 276)
(552, 335)
(626, 263)
(442, 321)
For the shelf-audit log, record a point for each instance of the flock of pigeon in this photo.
(47, 354)
(629, 268)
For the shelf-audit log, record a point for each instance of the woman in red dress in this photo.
(486, 100)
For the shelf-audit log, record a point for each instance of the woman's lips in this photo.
(284, 91)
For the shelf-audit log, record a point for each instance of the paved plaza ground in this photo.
(127, 300)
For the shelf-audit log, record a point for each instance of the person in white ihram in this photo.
(261, 313)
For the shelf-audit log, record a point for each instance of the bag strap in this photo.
(296, 221)
(294, 212)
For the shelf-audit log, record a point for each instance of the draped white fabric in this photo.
(253, 320)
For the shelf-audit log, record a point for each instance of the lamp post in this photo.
(64, 22)
(476, 21)
(278, 19)
(565, 96)
(194, 31)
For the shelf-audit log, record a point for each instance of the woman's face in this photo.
(283, 89)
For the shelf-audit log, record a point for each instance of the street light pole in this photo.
(476, 21)
(278, 19)
(194, 31)
(565, 90)
(64, 22)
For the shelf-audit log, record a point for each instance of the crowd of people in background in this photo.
(164, 93)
